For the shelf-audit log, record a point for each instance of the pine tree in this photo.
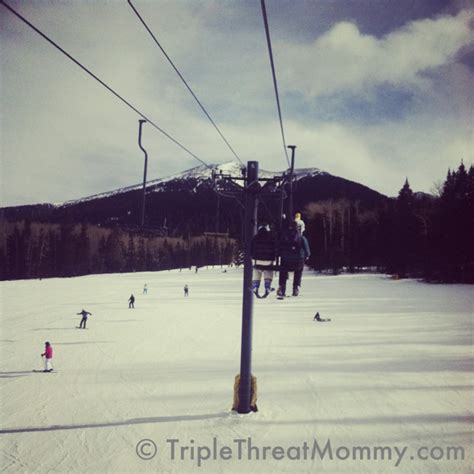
(130, 255)
(406, 233)
(14, 254)
(114, 252)
(82, 262)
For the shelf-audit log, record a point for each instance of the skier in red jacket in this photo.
(48, 356)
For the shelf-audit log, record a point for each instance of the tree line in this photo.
(414, 235)
(42, 250)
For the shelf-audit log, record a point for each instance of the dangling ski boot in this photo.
(255, 287)
(268, 287)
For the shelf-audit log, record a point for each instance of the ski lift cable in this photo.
(182, 79)
(116, 94)
(272, 64)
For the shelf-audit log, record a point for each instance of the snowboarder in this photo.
(293, 250)
(263, 252)
(84, 315)
(145, 289)
(318, 318)
(131, 301)
(186, 290)
(48, 356)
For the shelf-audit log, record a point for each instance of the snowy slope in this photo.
(391, 369)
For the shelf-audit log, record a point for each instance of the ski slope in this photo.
(392, 369)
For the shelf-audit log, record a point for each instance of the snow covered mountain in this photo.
(187, 204)
(199, 174)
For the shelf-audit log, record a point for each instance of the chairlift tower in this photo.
(251, 191)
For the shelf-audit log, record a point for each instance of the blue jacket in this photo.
(293, 253)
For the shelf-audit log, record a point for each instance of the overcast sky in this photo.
(371, 90)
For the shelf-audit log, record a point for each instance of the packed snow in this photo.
(392, 369)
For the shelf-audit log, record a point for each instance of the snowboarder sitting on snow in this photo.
(319, 319)
(131, 301)
(48, 355)
(84, 315)
(263, 252)
(293, 250)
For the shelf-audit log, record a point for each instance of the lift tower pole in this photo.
(292, 170)
(251, 190)
(141, 122)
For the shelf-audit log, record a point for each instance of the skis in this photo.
(44, 371)
(255, 292)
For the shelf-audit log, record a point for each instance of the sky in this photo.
(374, 91)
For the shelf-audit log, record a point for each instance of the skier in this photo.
(48, 355)
(186, 290)
(293, 250)
(131, 302)
(145, 290)
(84, 315)
(263, 252)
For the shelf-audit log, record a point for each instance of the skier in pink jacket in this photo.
(48, 356)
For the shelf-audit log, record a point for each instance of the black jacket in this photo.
(263, 246)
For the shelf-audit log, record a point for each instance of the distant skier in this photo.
(293, 250)
(48, 356)
(145, 289)
(318, 318)
(84, 315)
(186, 290)
(131, 301)
(263, 252)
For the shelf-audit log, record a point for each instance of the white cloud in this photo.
(344, 59)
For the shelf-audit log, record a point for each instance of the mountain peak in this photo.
(201, 173)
